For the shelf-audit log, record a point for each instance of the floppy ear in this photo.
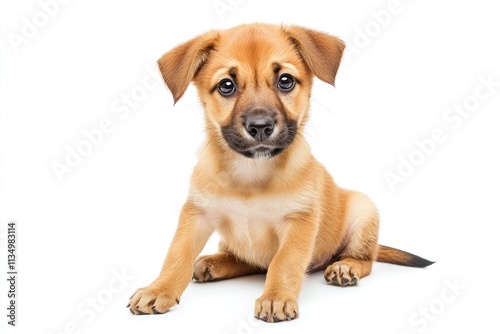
(321, 52)
(180, 65)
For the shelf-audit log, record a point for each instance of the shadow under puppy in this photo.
(276, 208)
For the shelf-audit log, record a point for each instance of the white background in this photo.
(117, 210)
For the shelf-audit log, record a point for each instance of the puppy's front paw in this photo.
(342, 274)
(151, 300)
(276, 309)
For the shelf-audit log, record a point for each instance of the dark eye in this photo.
(226, 87)
(286, 82)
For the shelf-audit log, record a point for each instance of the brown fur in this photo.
(283, 214)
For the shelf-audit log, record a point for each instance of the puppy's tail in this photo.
(396, 256)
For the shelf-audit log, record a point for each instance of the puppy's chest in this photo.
(251, 228)
(268, 210)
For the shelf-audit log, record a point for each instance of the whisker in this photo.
(314, 99)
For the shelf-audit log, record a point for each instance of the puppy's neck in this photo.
(232, 170)
(248, 171)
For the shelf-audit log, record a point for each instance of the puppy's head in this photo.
(254, 81)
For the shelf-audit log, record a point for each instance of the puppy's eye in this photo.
(226, 87)
(286, 82)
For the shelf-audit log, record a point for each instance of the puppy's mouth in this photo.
(262, 152)
(259, 149)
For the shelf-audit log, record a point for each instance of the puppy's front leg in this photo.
(177, 271)
(287, 270)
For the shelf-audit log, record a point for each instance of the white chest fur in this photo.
(250, 228)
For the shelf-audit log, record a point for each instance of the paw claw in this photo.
(276, 310)
(341, 274)
(151, 300)
(202, 270)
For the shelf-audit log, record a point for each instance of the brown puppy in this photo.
(276, 208)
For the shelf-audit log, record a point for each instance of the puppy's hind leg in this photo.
(360, 243)
(220, 266)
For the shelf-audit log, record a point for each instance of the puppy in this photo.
(276, 208)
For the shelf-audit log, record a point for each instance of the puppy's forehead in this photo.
(256, 49)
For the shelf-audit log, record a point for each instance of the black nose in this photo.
(260, 127)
